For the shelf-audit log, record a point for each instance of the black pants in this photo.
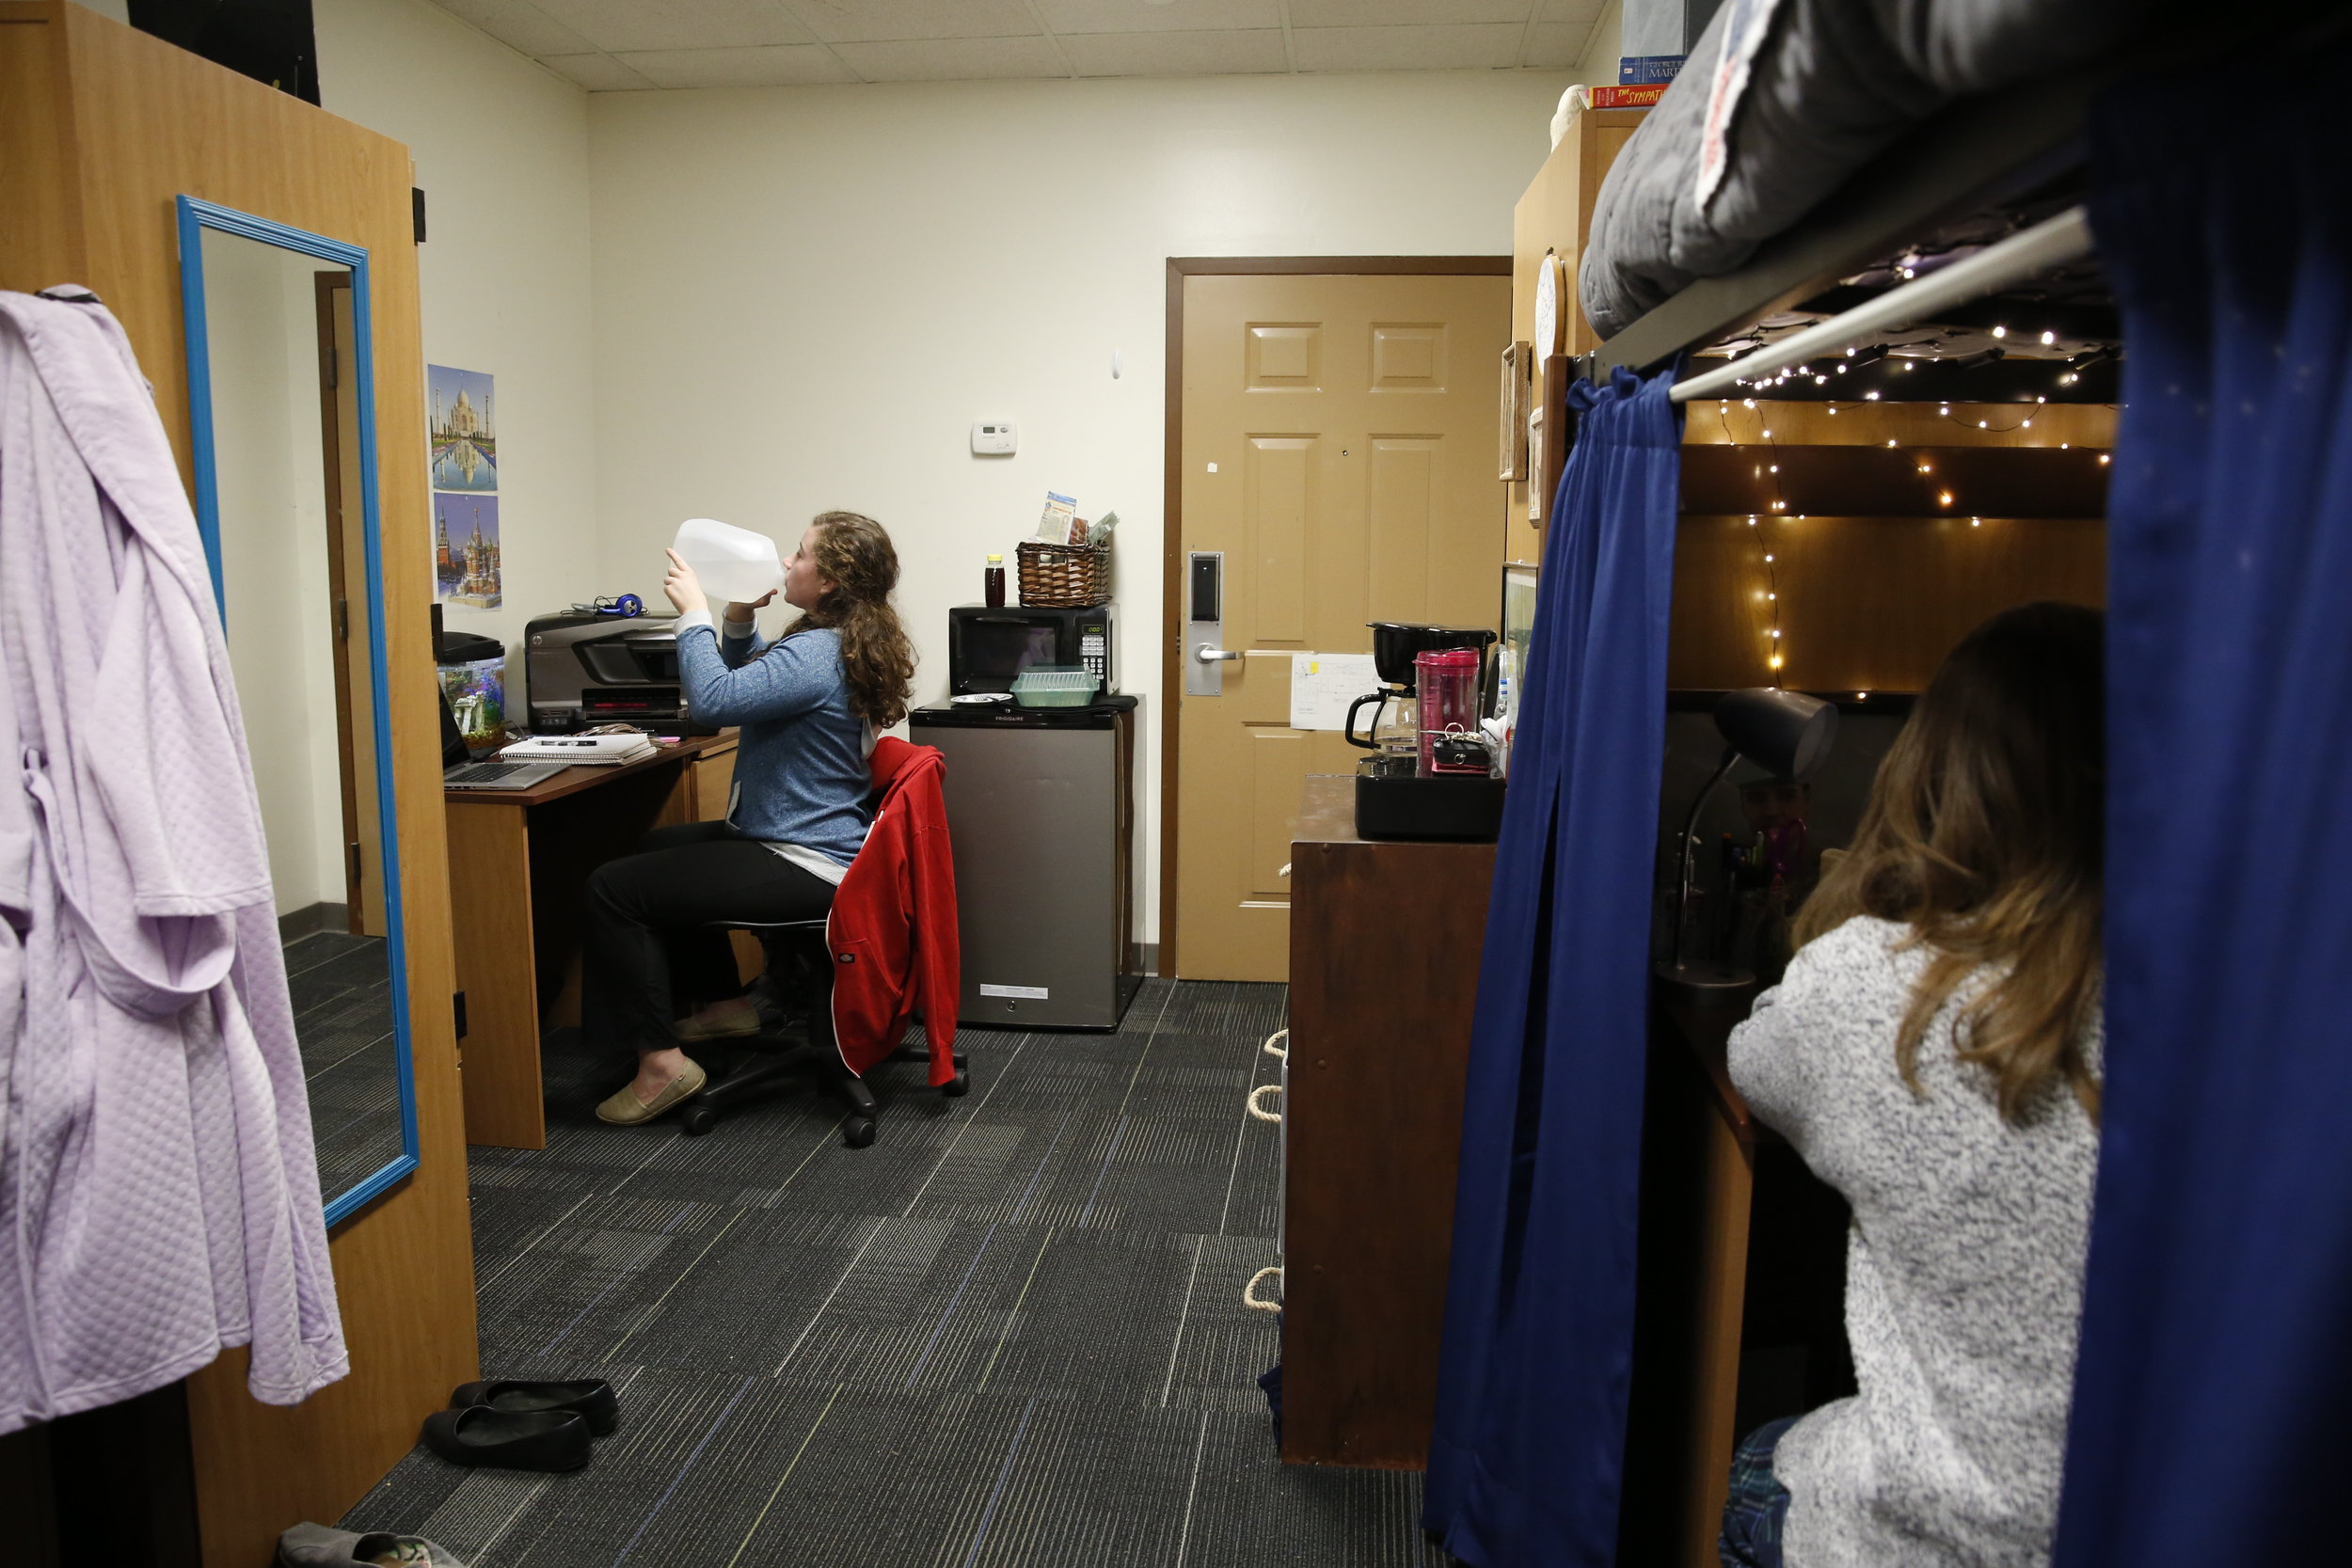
(647, 942)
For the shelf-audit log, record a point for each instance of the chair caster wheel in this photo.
(958, 1086)
(697, 1120)
(859, 1133)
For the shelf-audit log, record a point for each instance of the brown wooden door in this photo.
(1338, 450)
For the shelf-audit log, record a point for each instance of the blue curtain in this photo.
(1529, 1445)
(2213, 1401)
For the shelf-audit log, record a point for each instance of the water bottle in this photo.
(735, 564)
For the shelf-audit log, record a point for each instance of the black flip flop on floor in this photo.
(524, 1440)
(591, 1398)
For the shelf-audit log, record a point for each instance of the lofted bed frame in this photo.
(1976, 156)
(1932, 487)
(1873, 513)
(1852, 448)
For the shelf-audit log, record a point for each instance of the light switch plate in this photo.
(995, 438)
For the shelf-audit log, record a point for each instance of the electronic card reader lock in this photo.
(1204, 625)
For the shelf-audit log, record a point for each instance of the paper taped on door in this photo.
(1323, 686)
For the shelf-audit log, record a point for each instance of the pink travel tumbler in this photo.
(1447, 680)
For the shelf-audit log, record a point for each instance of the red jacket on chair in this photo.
(893, 927)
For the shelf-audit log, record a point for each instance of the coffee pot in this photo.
(1395, 727)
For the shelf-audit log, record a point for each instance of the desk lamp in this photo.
(1787, 733)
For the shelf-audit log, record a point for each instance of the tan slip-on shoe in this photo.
(740, 1019)
(626, 1110)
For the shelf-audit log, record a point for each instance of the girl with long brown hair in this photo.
(1933, 1054)
(808, 705)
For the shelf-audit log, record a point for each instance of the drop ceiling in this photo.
(637, 45)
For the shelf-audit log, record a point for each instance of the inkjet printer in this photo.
(587, 669)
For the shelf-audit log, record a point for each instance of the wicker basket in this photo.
(1065, 574)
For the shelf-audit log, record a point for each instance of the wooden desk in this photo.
(1740, 1301)
(519, 859)
(1738, 1315)
(1385, 941)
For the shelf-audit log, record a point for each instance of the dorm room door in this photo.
(1338, 451)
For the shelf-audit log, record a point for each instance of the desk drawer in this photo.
(708, 781)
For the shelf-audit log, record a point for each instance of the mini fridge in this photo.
(1041, 807)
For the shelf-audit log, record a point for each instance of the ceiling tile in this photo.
(781, 65)
(1139, 16)
(1186, 54)
(639, 24)
(1408, 48)
(1557, 45)
(520, 25)
(879, 21)
(952, 59)
(1398, 13)
(1572, 10)
(596, 72)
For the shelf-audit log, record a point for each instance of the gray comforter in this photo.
(1833, 83)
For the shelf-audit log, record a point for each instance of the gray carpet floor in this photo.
(1009, 1335)
(340, 987)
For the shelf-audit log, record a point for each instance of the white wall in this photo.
(262, 326)
(804, 296)
(1597, 67)
(502, 151)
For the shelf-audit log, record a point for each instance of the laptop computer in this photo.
(457, 772)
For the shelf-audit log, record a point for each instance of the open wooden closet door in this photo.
(101, 126)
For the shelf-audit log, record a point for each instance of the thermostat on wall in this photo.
(995, 438)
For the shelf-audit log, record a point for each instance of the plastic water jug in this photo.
(735, 564)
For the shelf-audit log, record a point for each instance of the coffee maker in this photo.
(1395, 727)
(1402, 790)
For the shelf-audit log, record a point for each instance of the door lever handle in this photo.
(1209, 652)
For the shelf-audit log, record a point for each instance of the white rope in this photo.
(1261, 1112)
(1250, 1292)
(1274, 1050)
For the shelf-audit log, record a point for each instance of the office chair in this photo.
(773, 1059)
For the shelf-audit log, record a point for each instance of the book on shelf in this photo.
(1628, 98)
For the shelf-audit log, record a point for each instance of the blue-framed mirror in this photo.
(281, 410)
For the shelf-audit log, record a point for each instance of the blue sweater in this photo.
(801, 770)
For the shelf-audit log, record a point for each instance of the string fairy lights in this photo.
(1942, 496)
(1776, 650)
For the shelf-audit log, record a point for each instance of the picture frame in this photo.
(1519, 379)
(1536, 500)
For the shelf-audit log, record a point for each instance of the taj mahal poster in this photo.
(462, 409)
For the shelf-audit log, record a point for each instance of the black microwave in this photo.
(987, 649)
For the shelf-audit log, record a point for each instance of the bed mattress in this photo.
(1745, 143)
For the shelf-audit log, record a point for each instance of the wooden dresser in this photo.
(1385, 942)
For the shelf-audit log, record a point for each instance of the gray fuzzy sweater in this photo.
(1963, 1270)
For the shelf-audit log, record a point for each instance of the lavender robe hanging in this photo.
(159, 1194)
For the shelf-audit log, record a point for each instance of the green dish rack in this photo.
(1051, 686)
